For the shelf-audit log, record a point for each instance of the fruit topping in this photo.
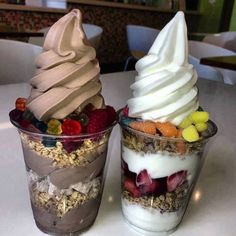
(20, 104)
(190, 134)
(49, 142)
(71, 145)
(199, 117)
(71, 127)
(143, 178)
(97, 121)
(40, 125)
(83, 119)
(167, 129)
(126, 111)
(175, 180)
(147, 127)
(130, 186)
(54, 127)
(201, 127)
(111, 115)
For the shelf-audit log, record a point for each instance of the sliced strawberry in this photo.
(143, 178)
(130, 186)
(175, 180)
(149, 188)
(157, 187)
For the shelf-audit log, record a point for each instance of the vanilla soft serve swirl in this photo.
(67, 78)
(164, 89)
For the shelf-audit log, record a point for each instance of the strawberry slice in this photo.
(143, 178)
(150, 188)
(175, 180)
(130, 186)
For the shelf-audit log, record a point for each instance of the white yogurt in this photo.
(160, 164)
(150, 219)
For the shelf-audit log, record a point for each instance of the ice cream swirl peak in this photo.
(164, 89)
(68, 72)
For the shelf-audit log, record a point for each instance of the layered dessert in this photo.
(64, 127)
(164, 132)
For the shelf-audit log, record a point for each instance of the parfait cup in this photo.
(158, 175)
(65, 178)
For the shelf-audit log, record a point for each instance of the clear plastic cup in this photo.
(158, 177)
(65, 178)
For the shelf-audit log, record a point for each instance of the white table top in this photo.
(212, 209)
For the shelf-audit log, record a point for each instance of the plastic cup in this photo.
(65, 178)
(158, 177)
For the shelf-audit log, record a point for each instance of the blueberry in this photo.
(49, 142)
(39, 125)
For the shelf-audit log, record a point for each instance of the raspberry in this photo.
(97, 121)
(111, 115)
(71, 127)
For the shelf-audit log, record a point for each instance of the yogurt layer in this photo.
(160, 164)
(150, 219)
(164, 89)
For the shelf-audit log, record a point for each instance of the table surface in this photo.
(212, 209)
(226, 62)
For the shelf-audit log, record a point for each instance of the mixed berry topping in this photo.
(89, 121)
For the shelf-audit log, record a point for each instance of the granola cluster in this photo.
(146, 144)
(61, 158)
(60, 204)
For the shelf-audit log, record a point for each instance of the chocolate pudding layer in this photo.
(65, 185)
(75, 221)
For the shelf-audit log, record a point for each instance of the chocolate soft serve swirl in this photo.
(67, 78)
(165, 89)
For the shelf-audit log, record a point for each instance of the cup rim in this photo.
(81, 135)
(206, 135)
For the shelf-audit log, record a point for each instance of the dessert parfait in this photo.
(64, 127)
(164, 132)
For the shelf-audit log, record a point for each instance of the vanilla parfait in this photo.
(163, 134)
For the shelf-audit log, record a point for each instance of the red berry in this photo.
(143, 178)
(150, 188)
(71, 127)
(130, 186)
(111, 115)
(20, 104)
(97, 121)
(126, 111)
(175, 180)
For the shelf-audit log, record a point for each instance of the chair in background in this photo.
(200, 49)
(225, 40)
(93, 34)
(18, 61)
(205, 72)
(140, 39)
